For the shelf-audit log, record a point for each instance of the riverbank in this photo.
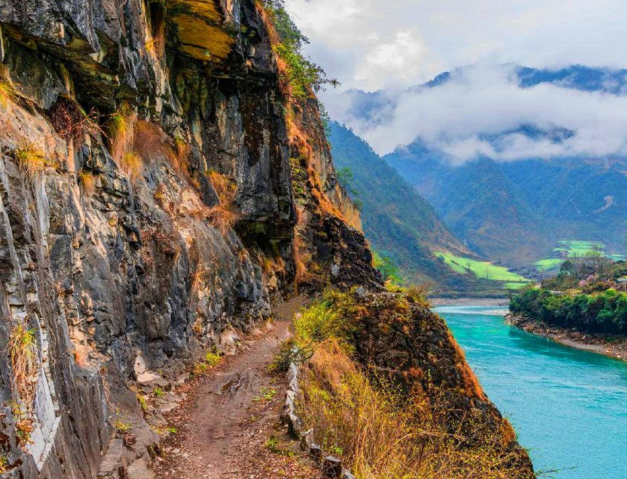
(613, 347)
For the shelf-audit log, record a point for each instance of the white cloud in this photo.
(486, 99)
(363, 42)
(393, 44)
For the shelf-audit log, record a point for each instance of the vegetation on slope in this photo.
(478, 202)
(481, 269)
(600, 312)
(425, 417)
(298, 74)
(399, 223)
(548, 264)
(510, 211)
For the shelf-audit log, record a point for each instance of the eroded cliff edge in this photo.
(155, 195)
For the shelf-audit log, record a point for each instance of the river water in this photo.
(568, 406)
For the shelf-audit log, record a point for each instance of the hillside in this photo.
(480, 203)
(397, 220)
(517, 212)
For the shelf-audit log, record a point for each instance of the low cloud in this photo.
(481, 110)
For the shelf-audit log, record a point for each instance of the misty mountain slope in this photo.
(517, 211)
(397, 220)
(510, 178)
(480, 204)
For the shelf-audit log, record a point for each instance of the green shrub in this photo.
(289, 352)
(601, 312)
(212, 359)
(299, 75)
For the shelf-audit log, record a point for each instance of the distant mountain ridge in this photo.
(515, 210)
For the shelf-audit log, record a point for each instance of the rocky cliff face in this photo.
(153, 200)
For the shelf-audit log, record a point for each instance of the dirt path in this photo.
(224, 429)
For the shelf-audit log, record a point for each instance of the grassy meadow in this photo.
(483, 270)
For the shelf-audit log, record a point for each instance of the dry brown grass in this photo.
(385, 429)
(30, 159)
(24, 363)
(224, 215)
(473, 388)
(179, 157)
(7, 95)
(132, 165)
(120, 131)
(155, 46)
(225, 188)
(150, 141)
(383, 435)
(301, 259)
(87, 180)
(223, 218)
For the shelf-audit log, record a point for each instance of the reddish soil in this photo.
(229, 427)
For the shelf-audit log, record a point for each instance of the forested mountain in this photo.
(517, 211)
(397, 220)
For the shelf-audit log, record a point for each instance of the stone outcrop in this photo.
(399, 337)
(146, 212)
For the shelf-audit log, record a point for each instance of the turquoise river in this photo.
(568, 406)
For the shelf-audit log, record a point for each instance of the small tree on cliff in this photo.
(298, 74)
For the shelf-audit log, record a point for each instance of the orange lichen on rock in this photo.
(201, 29)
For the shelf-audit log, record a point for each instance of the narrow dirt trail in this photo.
(224, 426)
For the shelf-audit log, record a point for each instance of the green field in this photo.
(548, 264)
(483, 270)
(575, 249)
(579, 248)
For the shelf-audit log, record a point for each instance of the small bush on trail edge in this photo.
(332, 317)
(290, 352)
(274, 445)
(389, 271)
(265, 394)
(212, 359)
